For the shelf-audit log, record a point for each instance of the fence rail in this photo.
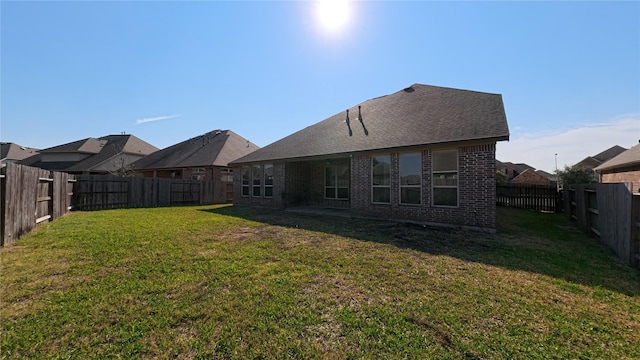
(31, 196)
(101, 192)
(529, 196)
(611, 213)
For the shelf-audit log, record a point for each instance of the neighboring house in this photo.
(106, 155)
(11, 153)
(592, 162)
(553, 179)
(511, 170)
(205, 157)
(424, 154)
(623, 168)
(535, 177)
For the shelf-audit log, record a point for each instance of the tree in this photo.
(576, 174)
(501, 178)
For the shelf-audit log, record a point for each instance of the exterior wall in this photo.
(476, 190)
(632, 176)
(304, 184)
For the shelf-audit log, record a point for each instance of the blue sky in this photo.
(569, 72)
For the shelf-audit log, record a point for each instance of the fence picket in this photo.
(528, 196)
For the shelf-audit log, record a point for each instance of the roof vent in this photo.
(410, 89)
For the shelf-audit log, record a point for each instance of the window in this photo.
(227, 176)
(381, 179)
(256, 174)
(246, 179)
(445, 178)
(336, 182)
(268, 180)
(411, 178)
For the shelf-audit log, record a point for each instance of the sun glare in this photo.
(333, 14)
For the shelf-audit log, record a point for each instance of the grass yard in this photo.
(231, 282)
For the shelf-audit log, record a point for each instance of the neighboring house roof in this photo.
(15, 152)
(546, 175)
(417, 115)
(531, 176)
(113, 146)
(87, 146)
(102, 149)
(626, 159)
(217, 148)
(596, 160)
(519, 167)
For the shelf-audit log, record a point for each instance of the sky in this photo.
(167, 71)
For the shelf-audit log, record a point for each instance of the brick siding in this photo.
(302, 183)
(632, 176)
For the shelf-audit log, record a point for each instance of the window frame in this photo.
(435, 172)
(264, 177)
(336, 185)
(256, 170)
(245, 170)
(386, 186)
(413, 186)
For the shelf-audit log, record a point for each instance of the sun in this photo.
(333, 15)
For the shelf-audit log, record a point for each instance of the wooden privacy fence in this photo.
(31, 196)
(529, 196)
(612, 213)
(101, 192)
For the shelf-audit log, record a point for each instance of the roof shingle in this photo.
(216, 148)
(417, 115)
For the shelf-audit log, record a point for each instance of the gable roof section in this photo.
(87, 146)
(596, 160)
(417, 115)
(610, 153)
(546, 175)
(625, 159)
(100, 150)
(114, 145)
(13, 151)
(519, 167)
(217, 148)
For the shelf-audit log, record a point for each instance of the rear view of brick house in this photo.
(424, 153)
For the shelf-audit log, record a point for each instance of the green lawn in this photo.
(231, 282)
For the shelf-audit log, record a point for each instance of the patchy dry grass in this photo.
(230, 282)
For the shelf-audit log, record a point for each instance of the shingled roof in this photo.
(597, 160)
(417, 115)
(100, 150)
(629, 158)
(13, 151)
(113, 145)
(217, 148)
